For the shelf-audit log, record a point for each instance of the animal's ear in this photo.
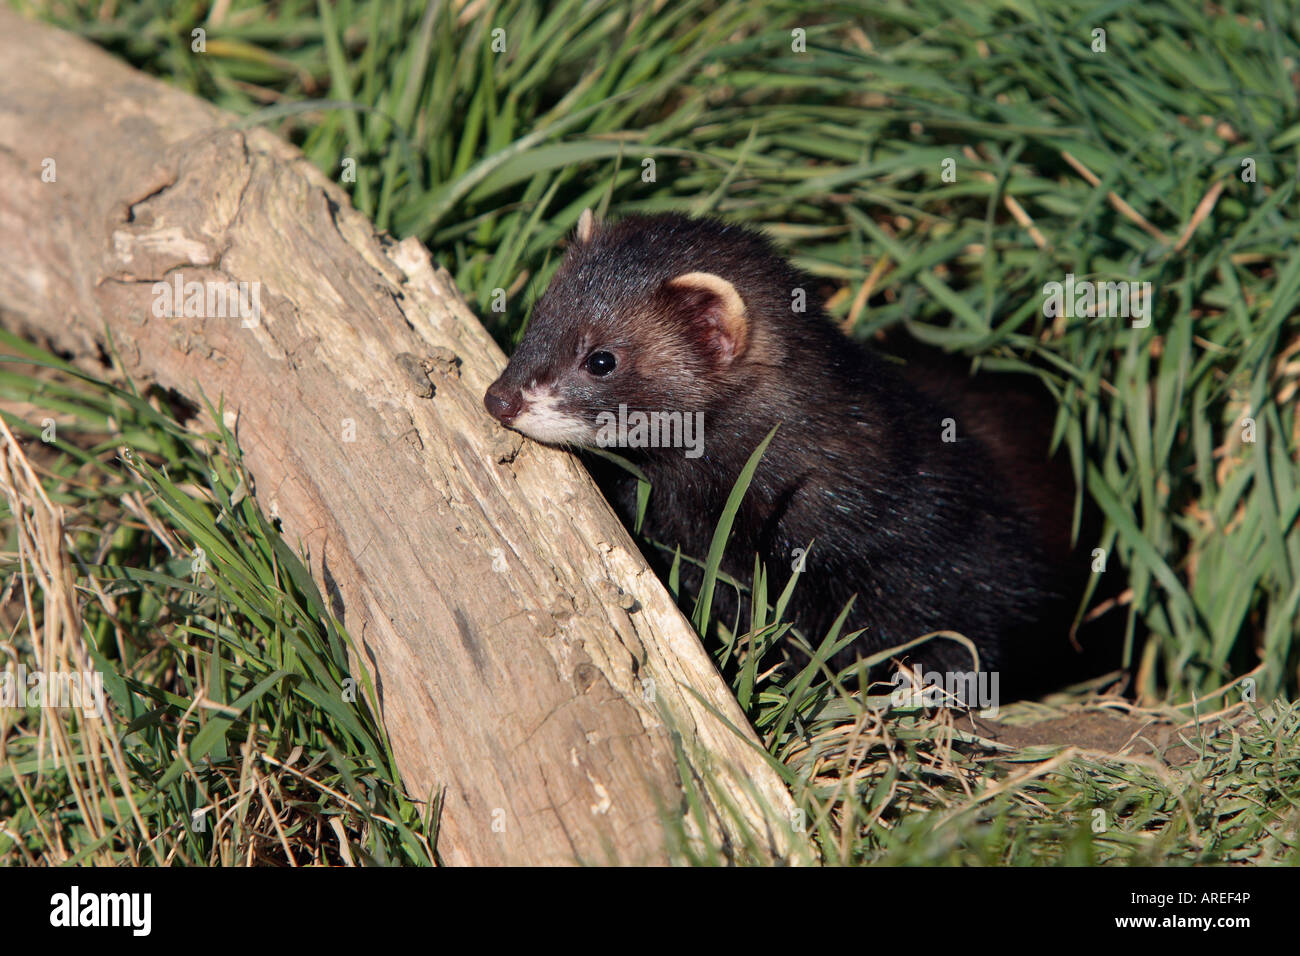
(586, 226)
(712, 308)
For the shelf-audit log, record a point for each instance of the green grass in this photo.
(1097, 164)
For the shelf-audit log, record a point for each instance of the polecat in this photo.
(919, 498)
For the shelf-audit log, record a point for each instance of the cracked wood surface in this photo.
(512, 627)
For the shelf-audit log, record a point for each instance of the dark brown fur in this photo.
(923, 534)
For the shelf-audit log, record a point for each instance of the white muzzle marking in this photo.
(543, 420)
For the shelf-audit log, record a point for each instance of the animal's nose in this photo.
(502, 404)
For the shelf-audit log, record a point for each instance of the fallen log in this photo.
(531, 668)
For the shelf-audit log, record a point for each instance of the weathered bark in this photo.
(510, 622)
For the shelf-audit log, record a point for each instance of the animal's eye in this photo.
(600, 363)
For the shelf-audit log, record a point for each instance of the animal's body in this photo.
(918, 493)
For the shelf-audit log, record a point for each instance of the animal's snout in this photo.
(503, 404)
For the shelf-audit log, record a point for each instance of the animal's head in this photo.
(655, 313)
